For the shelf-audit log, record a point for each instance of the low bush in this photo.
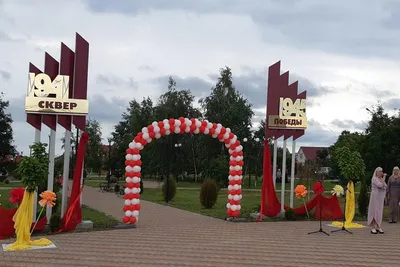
(208, 193)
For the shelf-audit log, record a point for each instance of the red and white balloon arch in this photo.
(180, 126)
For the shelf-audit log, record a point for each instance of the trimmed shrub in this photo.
(208, 193)
(289, 215)
(172, 189)
(363, 199)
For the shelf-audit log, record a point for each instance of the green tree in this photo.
(93, 154)
(350, 163)
(6, 133)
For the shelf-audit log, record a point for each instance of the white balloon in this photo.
(217, 131)
(228, 205)
(214, 135)
(188, 122)
(187, 129)
(233, 140)
(231, 168)
(158, 136)
(198, 123)
(230, 187)
(230, 197)
(128, 180)
(146, 136)
(230, 177)
(209, 125)
(135, 201)
(227, 145)
(238, 207)
(149, 140)
(128, 213)
(177, 130)
(219, 126)
(167, 132)
(135, 213)
(127, 202)
(136, 157)
(228, 130)
(135, 180)
(237, 168)
(236, 197)
(128, 156)
(226, 136)
(135, 190)
(128, 168)
(156, 129)
(154, 123)
(238, 148)
(145, 130)
(167, 126)
(196, 131)
(139, 190)
(127, 191)
(240, 197)
(177, 123)
(236, 178)
(136, 169)
(233, 207)
(137, 219)
(131, 145)
(165, 121)
(236, 187)
(206, 131)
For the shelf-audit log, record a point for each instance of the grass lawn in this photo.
(100, 220)
(11, 185)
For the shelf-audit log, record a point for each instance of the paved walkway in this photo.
(170, 237)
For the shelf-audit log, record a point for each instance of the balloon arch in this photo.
(181, 126)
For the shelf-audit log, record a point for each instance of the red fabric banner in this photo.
(73, 215)
(7, 224)
(270, 205)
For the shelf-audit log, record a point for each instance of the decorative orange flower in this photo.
(48, 198)
(301, 191)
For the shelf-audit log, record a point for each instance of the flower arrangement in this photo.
(16, 196)
(301, 193)
(48, 199)
(337, 190)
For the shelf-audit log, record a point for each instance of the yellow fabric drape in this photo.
(350, 209)
(22, 225)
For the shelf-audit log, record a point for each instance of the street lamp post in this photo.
(177, 146)
(109, 155)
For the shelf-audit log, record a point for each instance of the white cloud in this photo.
(133, 50)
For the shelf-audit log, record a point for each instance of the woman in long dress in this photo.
(376, 201)
(393, 195)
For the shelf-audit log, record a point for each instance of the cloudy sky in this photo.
(344, 53)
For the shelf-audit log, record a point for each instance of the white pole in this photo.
(283, 176)
(292, 172)
(35, 200)
(274, 160)
(50, 178)
(67, 155)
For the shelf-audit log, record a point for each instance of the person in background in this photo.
(376, 201)
(393, 195)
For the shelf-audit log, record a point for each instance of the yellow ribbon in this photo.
(350, 209)
(22, 225)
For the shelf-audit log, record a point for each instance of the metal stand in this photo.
(320, 220)
(344, 215)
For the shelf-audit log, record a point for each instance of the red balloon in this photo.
(126, 208)
(214, 125)
(126, 219)
(182, 119)
(192, 128)
(237, 143)
(129, 185)
(183, 127)
(172, 122)
(232, 182)
(212, 131)
(193, 122)
(227, 141)
(129, 174)
(223, 130)
(239, 182)
(152, 135)
(132, 220)
(229, 212)
(232, 173)
(161, 124)
(140, 134)
(220, 137)
(150, 128)
(131, 207)
(128, 196)
(233, 147)
(129, 151)
(138, 207)
(234, 154)
(235, 213)
(232, 192)
(137, 139)
(138, 162)
(135, 196)
(162, 131)
(240, 153)
(137, 185)
(143, 142)
(204, 124)
(136, 174)
(231, 135)
(202, 129)
(135, 151)
(240, 163)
